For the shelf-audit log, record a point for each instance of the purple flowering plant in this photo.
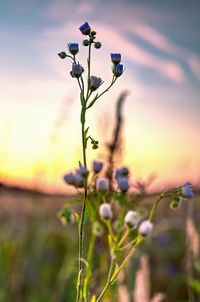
(107, 212)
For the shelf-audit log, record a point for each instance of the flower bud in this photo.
(176, 202)
(77, 70)
(85, 28)
(86, 42)
(102, 184)
(132, 219)
(79, 180)
(145, 228)
(123, 184)
(93, 33)
(97, 229)
(69, 178)
(62, 54)
(95, 83)
(187, 190)
(105, 211)
(97, 45)
(118, 70)
(115, 58)
(73, 48)
(97, 166)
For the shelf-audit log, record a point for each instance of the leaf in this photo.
(195, 284)
(86, 131)
(67, 214)
(85, 290)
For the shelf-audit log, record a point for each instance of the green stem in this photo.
(89, 66)
(107, 285)
(124, 237)
(155, 204)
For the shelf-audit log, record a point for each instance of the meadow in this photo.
(38, 255)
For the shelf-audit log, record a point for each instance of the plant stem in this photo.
(108, 281)
(155, 204)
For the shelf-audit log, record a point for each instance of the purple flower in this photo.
(120, 172)
(102, 184)
(83, 171)
(85, 28)
(118, 70)
(97, 166)
(97, 45)
(79, 180)
(73, 48)
(115, 58)
(69, 178)
(187, 190)
(95, 83)
(123, 184)
(77, 70)
(105, 211)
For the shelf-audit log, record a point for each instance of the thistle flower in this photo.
(118, 70)
(73, 48)
(97, 166)
(83, 171)
(95, 83)
(132, 219)
(187, 190)
(120, 172)
(79, 180)
(115, 58)
(77, 70)
(123, 184)
(62, 54)
(145, 228)
(97, 45)
(105, 211)
(102, 184)
(85, 28)
(69, 178)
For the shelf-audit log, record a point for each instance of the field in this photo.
(38, 255)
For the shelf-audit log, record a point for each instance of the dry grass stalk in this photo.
(192, 237)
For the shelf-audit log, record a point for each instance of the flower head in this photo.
(85, 28)
(187, 190)
(105, 211)
(69, 178)
(83, 171)
(120, 172)
(73, 48)
(97, 45)
(115, 58)
(77, 70)
(97, 166)
(102, 184)
(118, 70)
(132, 219)
(95, 83)
(123, 183)
(79, 180)
(145, 228)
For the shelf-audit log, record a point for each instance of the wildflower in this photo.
(85, 28)
(97, 45)
(77, 70)
(79, 180)
(115, 58)
(105, 211)
(132, 219)
(95, 83)
(73, 48)
(123, 184)
(69, 178)
(97, 166)
(83, 171)
(62, 54)
(120, 172)
(118, 70)
(145, 228)
(187, 190)
(102, 184)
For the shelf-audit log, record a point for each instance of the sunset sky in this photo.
(40, 107)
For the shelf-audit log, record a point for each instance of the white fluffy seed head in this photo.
(145, 228)
(105, 211)
(102, 184)
(132, 219)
